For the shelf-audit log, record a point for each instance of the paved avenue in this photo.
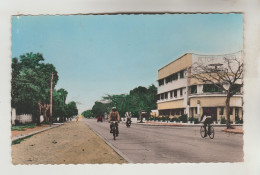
(169, 144)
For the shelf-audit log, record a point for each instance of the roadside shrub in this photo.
(191, 119)
(163, 119)
(175, 119)
(183, 118)
(239, 121)
(196, 121)
(223, 120)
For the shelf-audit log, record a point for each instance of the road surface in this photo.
(171, 144)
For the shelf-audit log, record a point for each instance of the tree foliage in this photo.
(99, 108)
(71, 109)
(30, 83)
(140, 98)
(59, 103)
(87, 114)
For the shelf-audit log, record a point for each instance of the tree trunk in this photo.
(45, 115)
(39, 116)
(228, 111)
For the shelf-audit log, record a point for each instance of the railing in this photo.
(212, 93)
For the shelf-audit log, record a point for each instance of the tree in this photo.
(227, 77)
(87, 113)
(140, 98)
(99, 108)
(71, 110)
(31, 84)
(59, 103)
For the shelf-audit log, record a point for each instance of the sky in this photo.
(97, 55)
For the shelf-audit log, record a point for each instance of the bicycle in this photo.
(128, 122)
(210, 134)
(114, 124)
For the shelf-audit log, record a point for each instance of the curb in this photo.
(35, 132)
(182, 125)
(234, 132)
(108, 143)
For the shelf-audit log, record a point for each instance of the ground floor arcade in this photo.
(198, 105)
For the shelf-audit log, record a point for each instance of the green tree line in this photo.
(31, 79)
(140, 98)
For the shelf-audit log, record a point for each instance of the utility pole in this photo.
(51, 99)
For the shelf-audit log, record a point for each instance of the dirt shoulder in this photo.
(72, 143)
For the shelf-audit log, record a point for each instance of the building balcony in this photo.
(212, 94)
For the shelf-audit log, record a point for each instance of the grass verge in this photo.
(22, 127)
(20, 140)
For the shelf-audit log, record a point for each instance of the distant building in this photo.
(178, 94)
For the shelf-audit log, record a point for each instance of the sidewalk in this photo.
(162, 123)
(16, 135)
(152, 123)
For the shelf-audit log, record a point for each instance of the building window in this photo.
(158, 97)
(231, 111)
(236, 88)
(211, 88)
(175, 76)
(162, 96)
(166, 95)
(221, 111)
(168, 79)
(236, 113)
(171, 94)
(161, 82)
(182, 74)
(193, 89)
(175, 93)
(172, 77)
(181, 92)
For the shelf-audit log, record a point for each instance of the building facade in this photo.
(179, 94)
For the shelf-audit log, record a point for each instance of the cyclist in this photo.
(128, 116)
(206, 120)
(114, 116)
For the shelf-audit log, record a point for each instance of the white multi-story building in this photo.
(179, 94)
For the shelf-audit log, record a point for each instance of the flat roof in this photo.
(174, 60)
(197, 54)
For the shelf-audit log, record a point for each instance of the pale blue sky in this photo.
(112, 54)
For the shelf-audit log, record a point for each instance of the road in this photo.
(171, 144)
